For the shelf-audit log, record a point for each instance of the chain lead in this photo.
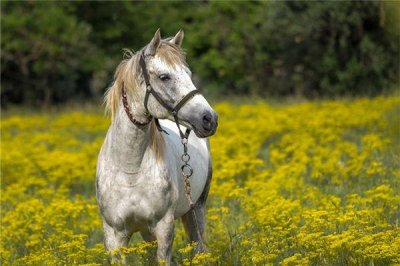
(187, 172)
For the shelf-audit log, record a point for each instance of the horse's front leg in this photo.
(114, 239)
(164, 233)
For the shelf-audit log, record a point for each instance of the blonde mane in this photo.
(127, 74)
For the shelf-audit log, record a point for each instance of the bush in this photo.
(54, 51)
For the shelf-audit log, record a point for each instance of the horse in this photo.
(140, 184)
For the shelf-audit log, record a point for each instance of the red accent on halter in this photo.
(128, 111)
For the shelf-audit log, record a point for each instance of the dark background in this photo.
(55, 52)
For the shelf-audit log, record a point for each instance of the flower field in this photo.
(313, 183)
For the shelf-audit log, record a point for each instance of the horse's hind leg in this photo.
(189, 220)
(147, 236)
(192, 229)
(113, 240)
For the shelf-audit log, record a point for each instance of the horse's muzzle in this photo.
(207, 124)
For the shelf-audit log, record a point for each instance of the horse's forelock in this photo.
(172, 54)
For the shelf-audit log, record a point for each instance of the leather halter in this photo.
(172, 110)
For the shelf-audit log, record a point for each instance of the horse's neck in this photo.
(128, 142)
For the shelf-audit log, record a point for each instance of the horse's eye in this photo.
(164, 77)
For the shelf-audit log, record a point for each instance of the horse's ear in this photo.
(178, 38)
(154, 44)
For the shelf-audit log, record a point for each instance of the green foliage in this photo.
(328, 48)
(228, 46)
(44, 50)
(52, 51)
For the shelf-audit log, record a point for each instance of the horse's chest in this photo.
(139, 202)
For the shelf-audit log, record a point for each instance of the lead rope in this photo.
(187, 172)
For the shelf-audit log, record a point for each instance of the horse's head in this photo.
(171, 86)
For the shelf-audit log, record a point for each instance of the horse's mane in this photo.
(128, 73)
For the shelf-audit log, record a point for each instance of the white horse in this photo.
(139, 171)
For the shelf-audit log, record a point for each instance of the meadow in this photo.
(310, 183)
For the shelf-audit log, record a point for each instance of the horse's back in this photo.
(200, 161)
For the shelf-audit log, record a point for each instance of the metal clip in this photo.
(187, 170)
(185, 158)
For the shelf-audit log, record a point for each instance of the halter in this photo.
(172, 110)
(149, 90)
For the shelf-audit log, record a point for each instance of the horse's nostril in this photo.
(207, 118)
(207, 121)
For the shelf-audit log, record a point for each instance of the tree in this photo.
(329, 48)
(53, 51)
(42, 51)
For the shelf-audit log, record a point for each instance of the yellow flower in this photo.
(308, 183)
